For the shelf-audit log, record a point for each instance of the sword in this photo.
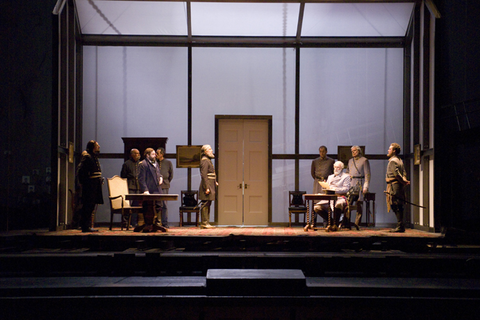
(405, 201)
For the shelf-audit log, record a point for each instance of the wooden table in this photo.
(315, 198)
(149, 213)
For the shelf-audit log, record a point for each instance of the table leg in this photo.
(149, 216)
(373, 214)
(331, 226)
(367, 212)
(307, 226)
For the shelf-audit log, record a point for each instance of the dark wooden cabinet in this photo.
(141, 144)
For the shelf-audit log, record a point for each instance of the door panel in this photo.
(230, 198)
(256, 172)
(243, 176)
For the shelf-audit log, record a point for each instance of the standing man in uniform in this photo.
(396, 179)
(90, 181)
(130, 172)
(322, 167)
(208, 184)
(359, 170)
(166, 170)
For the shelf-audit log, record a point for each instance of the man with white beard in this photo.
(208, 185)
(339, 181)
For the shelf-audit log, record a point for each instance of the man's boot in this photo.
(336, 219)
(205, 216)
(358, 218)
(399, 214)
(345, 224)
(157, 222)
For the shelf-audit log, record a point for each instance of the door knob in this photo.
(246, 186)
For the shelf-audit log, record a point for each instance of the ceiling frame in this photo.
(250, 41)
(271, 42)
(279, 1)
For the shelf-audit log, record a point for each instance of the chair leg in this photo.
(181, 219)
(111, 221)
(129, 221)
(289, 219)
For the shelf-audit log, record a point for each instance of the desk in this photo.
(150, 207)
(310, 212)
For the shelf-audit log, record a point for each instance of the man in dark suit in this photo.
(150, 180)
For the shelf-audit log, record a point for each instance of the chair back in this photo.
(296, 199)
(118, 186)
(189, 198)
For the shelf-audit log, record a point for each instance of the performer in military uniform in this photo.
(322, 167)
(359, 170)
(208, 185)
(89, 180)
(396, 178)
(130, 172)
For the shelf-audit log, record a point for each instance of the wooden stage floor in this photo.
(224, 239)
(192, 231)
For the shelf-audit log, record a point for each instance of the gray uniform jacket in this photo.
(359, 170)
(166, 169)
(208, 179)
(130, 172)
(395, 189)
(321, 169)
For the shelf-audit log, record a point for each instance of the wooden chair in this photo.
(189, 205)
(351, 206)
(367, 197)
(117, 189)
(297, 206)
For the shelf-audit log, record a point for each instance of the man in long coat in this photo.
(359, 170)
(89, 185)
(321, 168)
(396, 179)
(208, 185)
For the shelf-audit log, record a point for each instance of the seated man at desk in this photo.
(339, 182)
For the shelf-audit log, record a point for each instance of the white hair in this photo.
(360, 152)
(339, 163)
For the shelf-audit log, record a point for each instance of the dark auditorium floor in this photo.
(239, 273)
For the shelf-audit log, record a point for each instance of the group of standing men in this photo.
(154, 174)
(149, 176)
(356, 183)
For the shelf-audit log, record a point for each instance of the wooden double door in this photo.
(243, 153)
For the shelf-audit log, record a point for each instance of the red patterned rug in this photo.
(250, 231)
